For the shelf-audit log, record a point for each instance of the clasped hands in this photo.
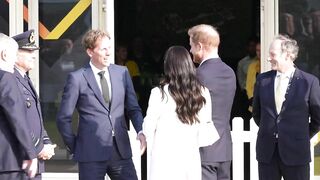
(30, 166)
(47, 151)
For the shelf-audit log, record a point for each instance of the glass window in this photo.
(301, 21)
(4, 17)
(61, 27)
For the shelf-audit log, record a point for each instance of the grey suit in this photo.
(220, 79)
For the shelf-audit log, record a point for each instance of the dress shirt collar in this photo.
(96, 70)
(20, 72)
(213, 57)
(288, 74)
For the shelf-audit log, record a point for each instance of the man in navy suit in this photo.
(25, 63)
(17, 153)
(102, 93)
(220, 79)
(286, 107)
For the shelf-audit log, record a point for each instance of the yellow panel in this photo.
(66, 22)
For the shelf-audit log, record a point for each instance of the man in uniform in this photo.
(25, 62)
(17, 153)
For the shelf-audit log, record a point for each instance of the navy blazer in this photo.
(15, 140)
(291, 125)
(220, 79)
(94, 141)
(34, 117)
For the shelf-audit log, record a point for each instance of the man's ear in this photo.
(200, 45)
(89, 52)
(3, 55)
(289, 56)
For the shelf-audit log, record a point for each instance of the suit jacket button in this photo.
(28, 103)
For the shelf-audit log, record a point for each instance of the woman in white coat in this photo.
(178, 120)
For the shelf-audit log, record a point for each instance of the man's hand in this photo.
(143, 142)
(47, 152)
(30, 166)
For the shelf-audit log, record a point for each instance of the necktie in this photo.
(104, 87)
(280, 92)
(27, 79)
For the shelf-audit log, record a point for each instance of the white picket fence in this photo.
(239, 137)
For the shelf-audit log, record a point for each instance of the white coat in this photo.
(173, 146)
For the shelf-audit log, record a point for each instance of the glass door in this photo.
(59, 26)
(62, 23)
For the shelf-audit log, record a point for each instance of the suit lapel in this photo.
(271, 93)
(112, 82)
(289, 96)
(25, 83)
(92, 82)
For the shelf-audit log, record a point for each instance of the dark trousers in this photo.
(216, 170)
(116, 168)
(13, 175)
(277, 169)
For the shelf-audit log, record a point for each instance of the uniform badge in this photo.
(31, 37)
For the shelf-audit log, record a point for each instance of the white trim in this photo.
(269, 28)
(33, 23)
(103, 18)
(94, 14)
(108, 12)
(15, 17)
(64, 176)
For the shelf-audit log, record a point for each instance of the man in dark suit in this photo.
(102, 94)
(286, 107)
(17, 153)
(25, 63)
(220, 79)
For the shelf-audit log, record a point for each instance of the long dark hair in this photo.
(184, 87)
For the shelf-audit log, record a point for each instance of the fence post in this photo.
(253, 162)
(238, 148)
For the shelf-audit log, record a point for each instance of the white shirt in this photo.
(20, 72)
(95, 71)
(284, 83)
